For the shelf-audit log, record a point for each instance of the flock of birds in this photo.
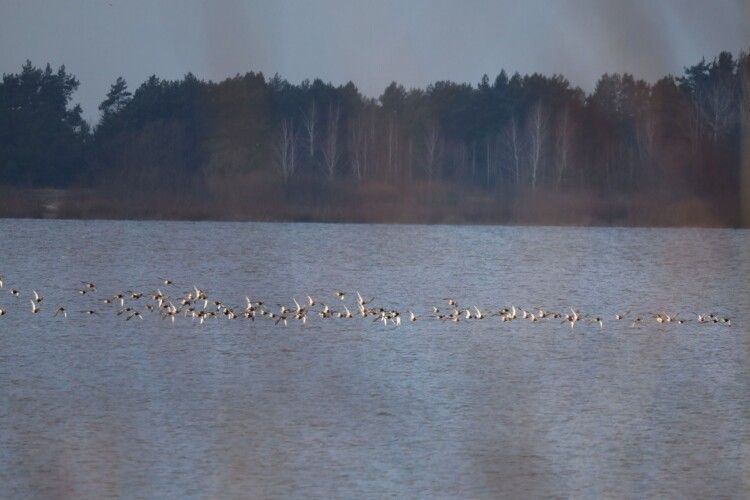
(196, 305)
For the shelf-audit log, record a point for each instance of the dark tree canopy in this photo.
(42, 137)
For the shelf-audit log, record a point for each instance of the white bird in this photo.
(412, 316)
(479, 314)
(61, 310)
(37, 298)
(34, 307)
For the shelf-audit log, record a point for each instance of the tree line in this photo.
(679, 136)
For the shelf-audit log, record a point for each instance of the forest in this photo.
(510, 149)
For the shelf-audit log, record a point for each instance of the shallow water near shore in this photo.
(99, 406)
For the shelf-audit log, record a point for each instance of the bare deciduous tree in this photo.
(718, 108)
(392, 144)
(359, 145)
(538, 124)
(645, 134)
(563, 145)
(432, 149)
(310, 122)
(285, 148)
(488, 160)
(513, 145)
(331, 151)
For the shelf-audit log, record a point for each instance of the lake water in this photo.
(99, 406)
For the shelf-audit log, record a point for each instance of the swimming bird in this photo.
(572, 318)
(171, 313)
(89, 285)
(412, 317)
(3, 312)
(340, 295)
(136, 314)
(61, 310)
(37, 298)
(34, 307)
(15, 292)
(1, 281)
(127, 310)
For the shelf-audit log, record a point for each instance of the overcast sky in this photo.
(369, 42)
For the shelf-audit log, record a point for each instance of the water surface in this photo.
(97, 406)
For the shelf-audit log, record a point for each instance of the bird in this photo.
(479, 314)
(361, 301)
(15, 292)
(346, 313)
(37, 298)
(412, 317)
(340, 295)
(34, 307)
(61, 310)
(3, 312)
(126, 310)
(281, 318)
(1, 280)
(571, 318)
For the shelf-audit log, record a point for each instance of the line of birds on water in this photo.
(196, 305)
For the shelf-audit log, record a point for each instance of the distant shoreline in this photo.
(388, 205)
